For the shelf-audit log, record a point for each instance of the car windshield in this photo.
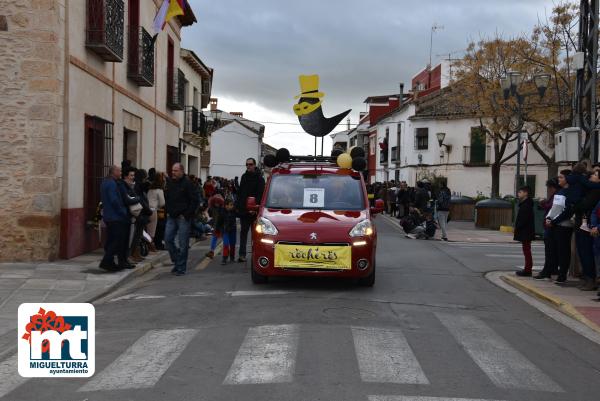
(329, 192)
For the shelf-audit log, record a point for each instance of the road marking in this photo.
(144, 363)
(136, 296)
(198, 294)
(384, 356)
(267, 355)
(9, 375)
(504, 365)
(498, 255)
(489, 245)
(256, 293)
(416, 398)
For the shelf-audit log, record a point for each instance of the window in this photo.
(398, 141)
(104, 28)
(477, 151)
(140, 49)
(421, 138)
(195, 98)
(339, 192)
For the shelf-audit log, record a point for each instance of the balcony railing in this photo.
(175, 91)
(140, 61)
(383, 156)
(476, 155)
(191, 120)
(395, 157)
(104, 30)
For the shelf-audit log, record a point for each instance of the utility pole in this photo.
(584, 101)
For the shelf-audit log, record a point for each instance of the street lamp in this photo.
(510, 87)
(440, 137)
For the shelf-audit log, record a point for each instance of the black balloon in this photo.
(283, 155)
(357, 152)
(270, 161)
(336, 152)
(359, 163)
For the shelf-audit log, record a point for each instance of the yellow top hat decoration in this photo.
(309, 85)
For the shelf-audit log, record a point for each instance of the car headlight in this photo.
(264, 226)
(362, 229)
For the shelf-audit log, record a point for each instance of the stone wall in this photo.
(32, 66)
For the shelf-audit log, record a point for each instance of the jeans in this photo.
(229, 239)
(178, 227)
(246, 224)
(116, 242)
(584, 243)
(526, 245)
(550, 255)
(443, 221)
(562, 246)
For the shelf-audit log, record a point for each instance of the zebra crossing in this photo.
(268, 355)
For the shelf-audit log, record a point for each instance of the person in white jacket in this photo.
(156, 200)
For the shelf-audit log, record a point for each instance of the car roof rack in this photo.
(314, 159)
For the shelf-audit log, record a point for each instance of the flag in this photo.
(168, 9)
(525, 148)
(160, 18)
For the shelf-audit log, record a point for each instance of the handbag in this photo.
(135, 209)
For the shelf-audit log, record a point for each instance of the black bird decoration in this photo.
(309, 111)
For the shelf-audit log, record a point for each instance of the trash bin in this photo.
(462, 208)
(493, 213)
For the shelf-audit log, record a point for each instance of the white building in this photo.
(340, 139)
(193, 125)
(232, 142)
(413, 151)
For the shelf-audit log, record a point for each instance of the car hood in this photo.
(300, 220)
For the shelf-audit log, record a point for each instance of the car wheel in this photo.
(368, 281)
(258, 278)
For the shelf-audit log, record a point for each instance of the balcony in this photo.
(140, 61)
(476, 156)
(104, 30)
(175, 91)
(383, 156)
(192, 120)
(395, 154)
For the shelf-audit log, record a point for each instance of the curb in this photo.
(557, 303)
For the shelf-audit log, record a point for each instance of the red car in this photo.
(314, 220)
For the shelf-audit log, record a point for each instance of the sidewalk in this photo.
(74, 280)
(465, 231)
(579, 305)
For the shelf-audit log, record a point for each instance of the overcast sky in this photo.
(359, 48)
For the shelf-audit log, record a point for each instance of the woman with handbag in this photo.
(156, 201)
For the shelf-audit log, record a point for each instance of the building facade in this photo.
(87, 87)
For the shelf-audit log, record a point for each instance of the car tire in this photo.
(368, 281)
(258, 278)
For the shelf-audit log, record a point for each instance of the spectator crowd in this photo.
(146, 211)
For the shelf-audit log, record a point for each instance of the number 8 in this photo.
(314, 198)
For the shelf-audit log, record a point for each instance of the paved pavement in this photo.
(74, 280)
(432, 329)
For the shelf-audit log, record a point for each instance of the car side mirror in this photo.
(378, 206)
(251, 205)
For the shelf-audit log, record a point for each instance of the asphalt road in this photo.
(432, 328)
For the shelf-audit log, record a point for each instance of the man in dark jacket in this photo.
(421, 197)
(252, 184)
(181, 202)
(525, 229)
(116, 218)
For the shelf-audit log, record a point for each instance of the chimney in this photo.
(213, 103)
(237, 114)
(348, 122)
(401, 94)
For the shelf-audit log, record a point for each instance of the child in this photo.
(229, 230)
(525, 229)
(216, 210)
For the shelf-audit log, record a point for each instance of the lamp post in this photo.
(510, 84)
(440, 137)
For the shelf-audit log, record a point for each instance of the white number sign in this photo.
(314, 198)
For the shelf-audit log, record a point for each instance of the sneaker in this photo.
(178, 273)
(444, 239)
(523, 273)
(224, 260)
(210, 254)
(561, 280)
(111, 267)
(241, 259)
(411, 236)
(541, 276)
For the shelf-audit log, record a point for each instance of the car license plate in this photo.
(327, 257)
